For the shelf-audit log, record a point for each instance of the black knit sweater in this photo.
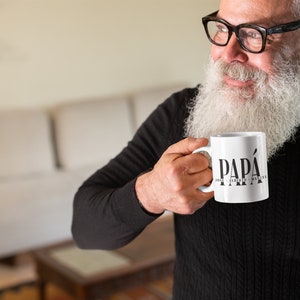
(223, 251)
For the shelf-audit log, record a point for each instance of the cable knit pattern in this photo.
(223, 251)
(244, 251)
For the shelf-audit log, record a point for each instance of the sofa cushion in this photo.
(26, 145)
(37, 211)
(92, 131)
(144, 102)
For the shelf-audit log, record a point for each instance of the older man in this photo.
(223, 251)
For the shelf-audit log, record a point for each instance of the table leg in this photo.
(80, 293)
(41, 289)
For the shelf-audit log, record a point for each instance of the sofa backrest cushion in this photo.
(26, 146)
(144, 102)
(92, 131)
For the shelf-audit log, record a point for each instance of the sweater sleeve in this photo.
(106, 211)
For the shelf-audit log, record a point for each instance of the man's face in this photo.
(251, 92)
(266, 13)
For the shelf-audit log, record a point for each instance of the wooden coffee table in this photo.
(91, 274)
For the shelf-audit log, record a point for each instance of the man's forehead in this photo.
(258, 11)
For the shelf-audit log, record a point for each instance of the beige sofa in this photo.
(45, 156)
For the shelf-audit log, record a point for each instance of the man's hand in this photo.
(173, 183)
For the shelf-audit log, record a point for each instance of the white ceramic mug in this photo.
(239, 166)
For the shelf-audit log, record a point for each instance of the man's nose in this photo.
(233, 51)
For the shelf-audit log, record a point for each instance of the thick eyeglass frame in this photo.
(291, 26)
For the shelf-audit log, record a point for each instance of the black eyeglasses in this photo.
(252, 38)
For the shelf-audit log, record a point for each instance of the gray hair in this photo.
(295, 8)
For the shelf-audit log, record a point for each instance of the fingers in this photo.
(182, 159)
(186, 146)
(190, 202)
(192, 163)
(174, 181)
(182, 182)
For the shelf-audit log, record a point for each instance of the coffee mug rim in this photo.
(238, 134)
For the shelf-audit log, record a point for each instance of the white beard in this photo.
(272, 106)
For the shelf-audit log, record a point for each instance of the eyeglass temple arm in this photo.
(284, 27)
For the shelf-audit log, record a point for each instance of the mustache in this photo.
(274, 107)
(238, 71)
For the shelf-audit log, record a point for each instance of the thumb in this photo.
(187, 146)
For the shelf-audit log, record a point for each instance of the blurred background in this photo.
(74, 74)
(57, 50)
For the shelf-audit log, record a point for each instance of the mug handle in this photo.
(210, 188)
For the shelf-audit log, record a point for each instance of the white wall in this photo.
(61, 50)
